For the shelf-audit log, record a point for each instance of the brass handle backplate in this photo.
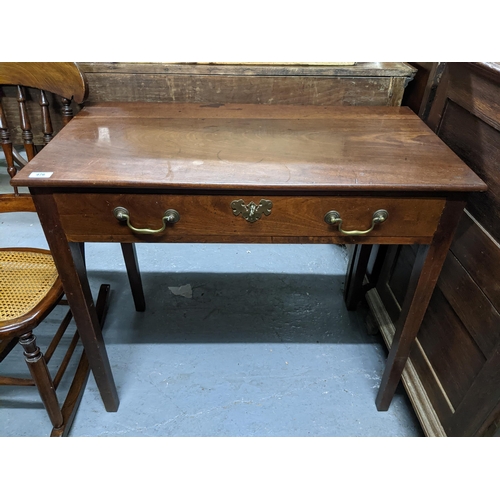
(251, 212)
(333, 218)
(170, 216)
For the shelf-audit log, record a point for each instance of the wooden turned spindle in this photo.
(25, 124)
(67, 111)
(40, 374)
(48, 131)
(7, 145)
(32, 352)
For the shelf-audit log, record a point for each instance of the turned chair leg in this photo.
(41, 376)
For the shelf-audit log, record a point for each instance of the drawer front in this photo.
(206, 218)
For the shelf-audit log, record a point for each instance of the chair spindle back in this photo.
(61, 79)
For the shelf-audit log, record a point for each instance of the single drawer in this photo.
(236, 218)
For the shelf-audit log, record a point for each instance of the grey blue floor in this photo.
(236, 340)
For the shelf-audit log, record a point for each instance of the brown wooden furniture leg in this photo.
(75, 393)
(423, 279)
(356, 270)
(41, 376)
(134, 275)
(71, 268)
(82, 250)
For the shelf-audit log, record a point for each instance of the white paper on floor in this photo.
(183, 291)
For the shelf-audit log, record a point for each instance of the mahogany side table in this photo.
(166, 172)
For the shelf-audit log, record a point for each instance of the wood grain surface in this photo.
(376, 84)
(90, 217)
(311, 148)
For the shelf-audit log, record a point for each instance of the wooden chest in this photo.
(378, 84)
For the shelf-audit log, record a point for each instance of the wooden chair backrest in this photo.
(62, 79)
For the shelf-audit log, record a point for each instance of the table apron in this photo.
(212, 218)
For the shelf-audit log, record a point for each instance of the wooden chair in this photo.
(56, 87)
(30, 287)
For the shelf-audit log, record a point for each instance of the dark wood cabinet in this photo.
(453, 377)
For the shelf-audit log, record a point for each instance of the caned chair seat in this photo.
(29, 288)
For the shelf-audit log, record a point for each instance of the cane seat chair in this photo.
(30, 287)
(46, 96)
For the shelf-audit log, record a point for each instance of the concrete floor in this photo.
(237, 340)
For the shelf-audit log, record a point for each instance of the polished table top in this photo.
(252, 147)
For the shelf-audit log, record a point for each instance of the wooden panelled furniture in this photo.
(453, 376)
(420, 92)
(167, 172)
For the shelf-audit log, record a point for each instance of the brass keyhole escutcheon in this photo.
(252, 212)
